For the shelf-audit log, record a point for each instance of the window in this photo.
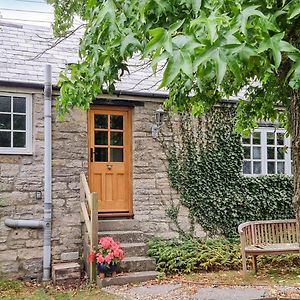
(15, 124)
(267, 151)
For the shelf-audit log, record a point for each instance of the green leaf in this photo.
(172, 69)
(246, 13)
(295, 12)
(273, 43)
(196, 5)
(157, 40)
(128, 40)
(187, 65)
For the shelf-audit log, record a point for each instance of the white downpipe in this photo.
(47, 174)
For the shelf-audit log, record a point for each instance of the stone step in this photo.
(118, 225)
(134, 277)
(138, 264)
(134, 249)
(124, 236)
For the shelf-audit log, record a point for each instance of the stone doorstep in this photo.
(138, 263)
(66, 273)
(134, 277)
(132, 236)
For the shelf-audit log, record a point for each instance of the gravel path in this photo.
(190, 291)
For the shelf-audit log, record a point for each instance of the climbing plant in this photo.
(205, 159)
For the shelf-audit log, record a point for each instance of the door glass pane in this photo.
(256, 138)
(5, 121)
(116, 122)
(19, 122)
(19, 104)
(116, 154)
(247, 167)
(5, 104)
(5, 139)
(19, 139)
(101, 154)
(280, 138)
(280, 153)
(101, 121)
(256, 167)
(280, 167)
(116, 138)
(271, 153)
(256, 152)
(101, 138)
(247, 152)
(246, 139)
(270, 138)
(271, 167)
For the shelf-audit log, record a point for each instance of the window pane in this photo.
(5, 121)
(280, 138)
(101, 121)
(19, 139)
(5, 139)
(271, 153)
(256, 167)
(5, 105)
(280, 153)
(101, 138)
(101, 154)
(271, 167)
(247, 167)
(270, 138)
(116, 122)
(116, 138)
(19, 122)
(280, 167)
(256, 138)
(246, 139)
(256, 152)
(19, 104)
(116, 154)
(247, 152)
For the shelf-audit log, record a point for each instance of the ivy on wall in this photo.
(205, 161)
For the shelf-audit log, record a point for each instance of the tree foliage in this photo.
(211, 49)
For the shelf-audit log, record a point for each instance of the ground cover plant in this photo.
(210, 255)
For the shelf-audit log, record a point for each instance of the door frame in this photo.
(130, 156)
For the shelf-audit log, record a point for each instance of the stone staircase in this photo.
(137, 266)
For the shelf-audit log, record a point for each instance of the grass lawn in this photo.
(269, 276)
(18, 290)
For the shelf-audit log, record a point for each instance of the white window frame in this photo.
(28, 136)
(264, 160)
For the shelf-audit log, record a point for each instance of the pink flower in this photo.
(109, 257)
(91, 257)
(105, 242)
(100, 258)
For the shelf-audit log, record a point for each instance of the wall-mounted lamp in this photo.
(159, 120)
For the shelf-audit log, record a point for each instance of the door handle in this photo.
(91, 155)
(109, 167)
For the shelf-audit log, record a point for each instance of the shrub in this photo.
(193, 255)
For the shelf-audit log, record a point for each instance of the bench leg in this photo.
(244, 263)
(254, 263)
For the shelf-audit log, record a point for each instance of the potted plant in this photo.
(108, 256)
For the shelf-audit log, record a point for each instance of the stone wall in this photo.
(21, 176)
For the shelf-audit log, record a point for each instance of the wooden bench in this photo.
(268, 237)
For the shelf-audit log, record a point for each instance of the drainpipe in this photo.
(24, 223)
(47, 175)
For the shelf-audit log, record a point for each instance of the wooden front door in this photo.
(110, 159)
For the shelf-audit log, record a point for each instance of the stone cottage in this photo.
(112, 143)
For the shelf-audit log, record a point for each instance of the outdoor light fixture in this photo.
(159, 119)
